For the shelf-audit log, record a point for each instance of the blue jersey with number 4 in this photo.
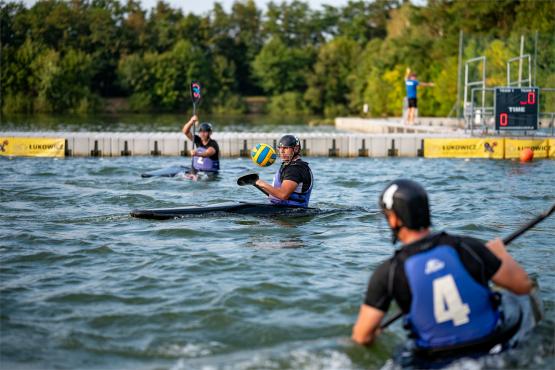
(448, 306)
(411, 88)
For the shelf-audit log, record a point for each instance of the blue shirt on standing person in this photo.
(411, 85)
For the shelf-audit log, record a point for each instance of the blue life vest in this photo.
(298, 197)
(411, 88)
(448, 306)
(205, 163)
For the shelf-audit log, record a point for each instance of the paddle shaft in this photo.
(194, 114)
(507, 240)
(529, 225)
(195, 97)
(193, 157)
(391, 320)
(262, 190)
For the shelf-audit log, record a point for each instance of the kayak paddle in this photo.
(507, 240)
(529, 225)
(195, 97)
(250, 179)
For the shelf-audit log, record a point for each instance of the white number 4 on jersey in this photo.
(448, 304)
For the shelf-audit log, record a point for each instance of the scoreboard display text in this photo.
(516, 108)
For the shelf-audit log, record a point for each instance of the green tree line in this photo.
(69, 56)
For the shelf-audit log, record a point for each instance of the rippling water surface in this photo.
(83, 285)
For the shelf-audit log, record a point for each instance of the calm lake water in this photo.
(84, 286)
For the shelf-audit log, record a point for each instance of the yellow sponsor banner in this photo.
(464, 148)
(513, 147)
(552, 148)
(32, 146)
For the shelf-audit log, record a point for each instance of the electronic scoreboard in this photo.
(516, 108)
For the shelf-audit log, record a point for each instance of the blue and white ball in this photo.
(263, 155)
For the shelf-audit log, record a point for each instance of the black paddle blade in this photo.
(248, 179)
(196, 92)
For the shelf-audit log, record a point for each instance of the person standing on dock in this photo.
(293, 181)
(412, 84)
(440, 281)
(206, 156)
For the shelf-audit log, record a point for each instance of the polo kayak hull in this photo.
(245, 208)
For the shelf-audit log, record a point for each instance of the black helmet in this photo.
(409, 201)
(289, 141)
(205, 126)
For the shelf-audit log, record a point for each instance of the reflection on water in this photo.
(157, 122)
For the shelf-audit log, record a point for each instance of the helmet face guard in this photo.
(409, 202)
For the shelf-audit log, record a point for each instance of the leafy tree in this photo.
(18, 80)
(281, 68)
(162, 26)
(363, 20)
(62, 81)
(162, 80)
(236, 37)
(293, 23)
(10, 35)
(328, 87)
(289, 103)
(134, 32)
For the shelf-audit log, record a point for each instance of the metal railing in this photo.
(520, 81)
(469, 84)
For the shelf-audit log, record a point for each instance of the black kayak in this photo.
(242, 208)
(521, 315)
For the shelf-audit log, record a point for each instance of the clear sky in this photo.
(202, 6)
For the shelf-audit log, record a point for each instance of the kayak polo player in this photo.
(440, 281)
(293, 181)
